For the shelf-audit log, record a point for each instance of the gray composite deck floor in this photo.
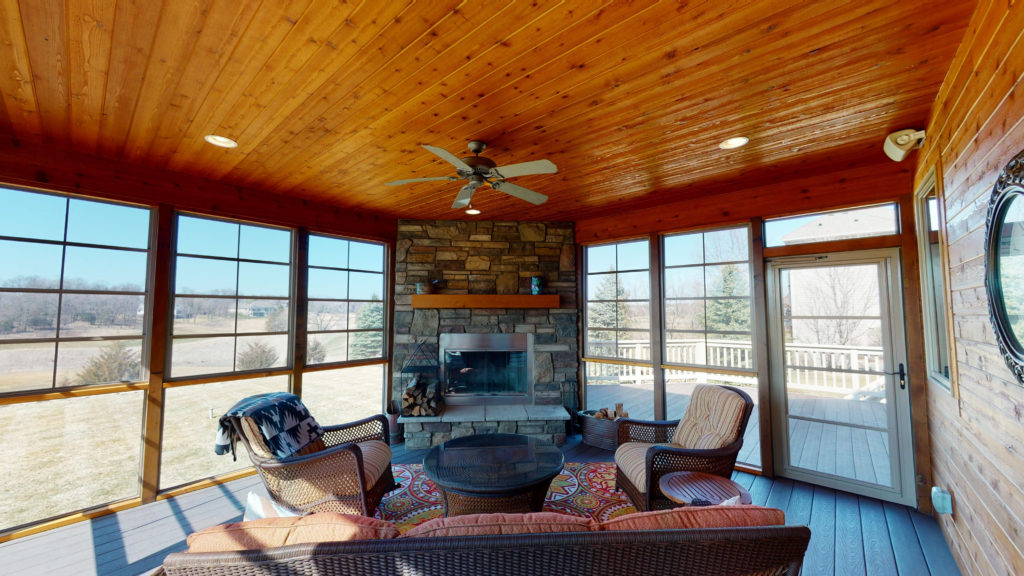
(849, 534)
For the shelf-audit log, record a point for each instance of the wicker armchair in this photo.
(707, 439)
(348, 472)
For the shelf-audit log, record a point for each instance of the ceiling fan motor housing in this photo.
(479, 164)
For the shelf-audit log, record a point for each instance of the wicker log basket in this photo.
(599, 432)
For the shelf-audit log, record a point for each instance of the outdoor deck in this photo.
(857, 451)
(850, 534)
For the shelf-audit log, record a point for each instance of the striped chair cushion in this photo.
(376, 460)
(712, 419)
(631, 459)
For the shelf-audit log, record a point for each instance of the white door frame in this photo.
(901, 455)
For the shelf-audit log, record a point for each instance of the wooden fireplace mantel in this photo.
(485, 301)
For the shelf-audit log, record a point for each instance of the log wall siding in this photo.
(976, 126)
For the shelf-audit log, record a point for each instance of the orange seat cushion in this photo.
(698, 517)
(496, 524)
(274, 532)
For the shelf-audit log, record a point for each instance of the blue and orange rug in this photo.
(582, 489)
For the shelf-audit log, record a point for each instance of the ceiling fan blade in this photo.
(411, 180)
(525, 168)
(449, 158)
(465, 195)
(519, 192)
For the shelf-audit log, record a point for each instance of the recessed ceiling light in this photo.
(734, 142)
(222, 141)
(472, 211)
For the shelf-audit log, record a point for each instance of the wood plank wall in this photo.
(49, 169)
(884, 181)
(976, 126)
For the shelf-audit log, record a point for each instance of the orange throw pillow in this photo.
(698, 517)
(492, 524)
(274, 532)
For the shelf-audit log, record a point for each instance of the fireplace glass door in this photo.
(479, 368)
(485, 372)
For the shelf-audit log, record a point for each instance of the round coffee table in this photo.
(700, 489)
(493, 473)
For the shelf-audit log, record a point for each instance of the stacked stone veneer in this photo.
(488, 258)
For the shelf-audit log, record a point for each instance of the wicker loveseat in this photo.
(775, 550)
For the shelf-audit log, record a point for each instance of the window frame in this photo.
(662, 269)
(144, 336)
(930, 187)
(799, 246)
(291, 299)
(585, 312)
(348, 330)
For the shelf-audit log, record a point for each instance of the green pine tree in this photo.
(605, 313)
(368, 344)
(732, 315)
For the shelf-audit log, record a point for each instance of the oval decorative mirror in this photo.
(1004, 263)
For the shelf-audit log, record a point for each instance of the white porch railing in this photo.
(809, 368)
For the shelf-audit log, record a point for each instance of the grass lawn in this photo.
(65, 455)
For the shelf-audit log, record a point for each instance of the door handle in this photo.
(902, 373)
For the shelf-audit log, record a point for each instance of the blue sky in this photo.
(40, 216)
(43, 217)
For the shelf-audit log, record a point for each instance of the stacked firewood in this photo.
(615, 414)
(421, 399)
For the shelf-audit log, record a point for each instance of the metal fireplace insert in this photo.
(486, 368)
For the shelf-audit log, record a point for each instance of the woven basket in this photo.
(599, 432)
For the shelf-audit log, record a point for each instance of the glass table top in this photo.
(492, 462)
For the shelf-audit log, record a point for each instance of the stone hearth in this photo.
(490, 258)
(546, 422)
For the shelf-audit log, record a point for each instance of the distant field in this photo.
(64, 455)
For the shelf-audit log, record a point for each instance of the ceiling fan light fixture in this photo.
(222, 141)
(472, 211)
(734, 142)
(479, 170)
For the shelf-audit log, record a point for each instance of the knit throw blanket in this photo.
(283, 421)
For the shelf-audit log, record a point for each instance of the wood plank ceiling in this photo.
(331, 99)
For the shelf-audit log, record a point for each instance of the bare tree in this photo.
(840, 304)
(322, 318)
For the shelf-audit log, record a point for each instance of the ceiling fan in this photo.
(480, 170)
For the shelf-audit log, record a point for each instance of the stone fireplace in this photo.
(489, 258)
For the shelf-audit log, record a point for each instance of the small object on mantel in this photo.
(495, 301)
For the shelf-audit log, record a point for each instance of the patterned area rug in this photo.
(582, 489)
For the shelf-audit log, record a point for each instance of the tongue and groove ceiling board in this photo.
(331, 99)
